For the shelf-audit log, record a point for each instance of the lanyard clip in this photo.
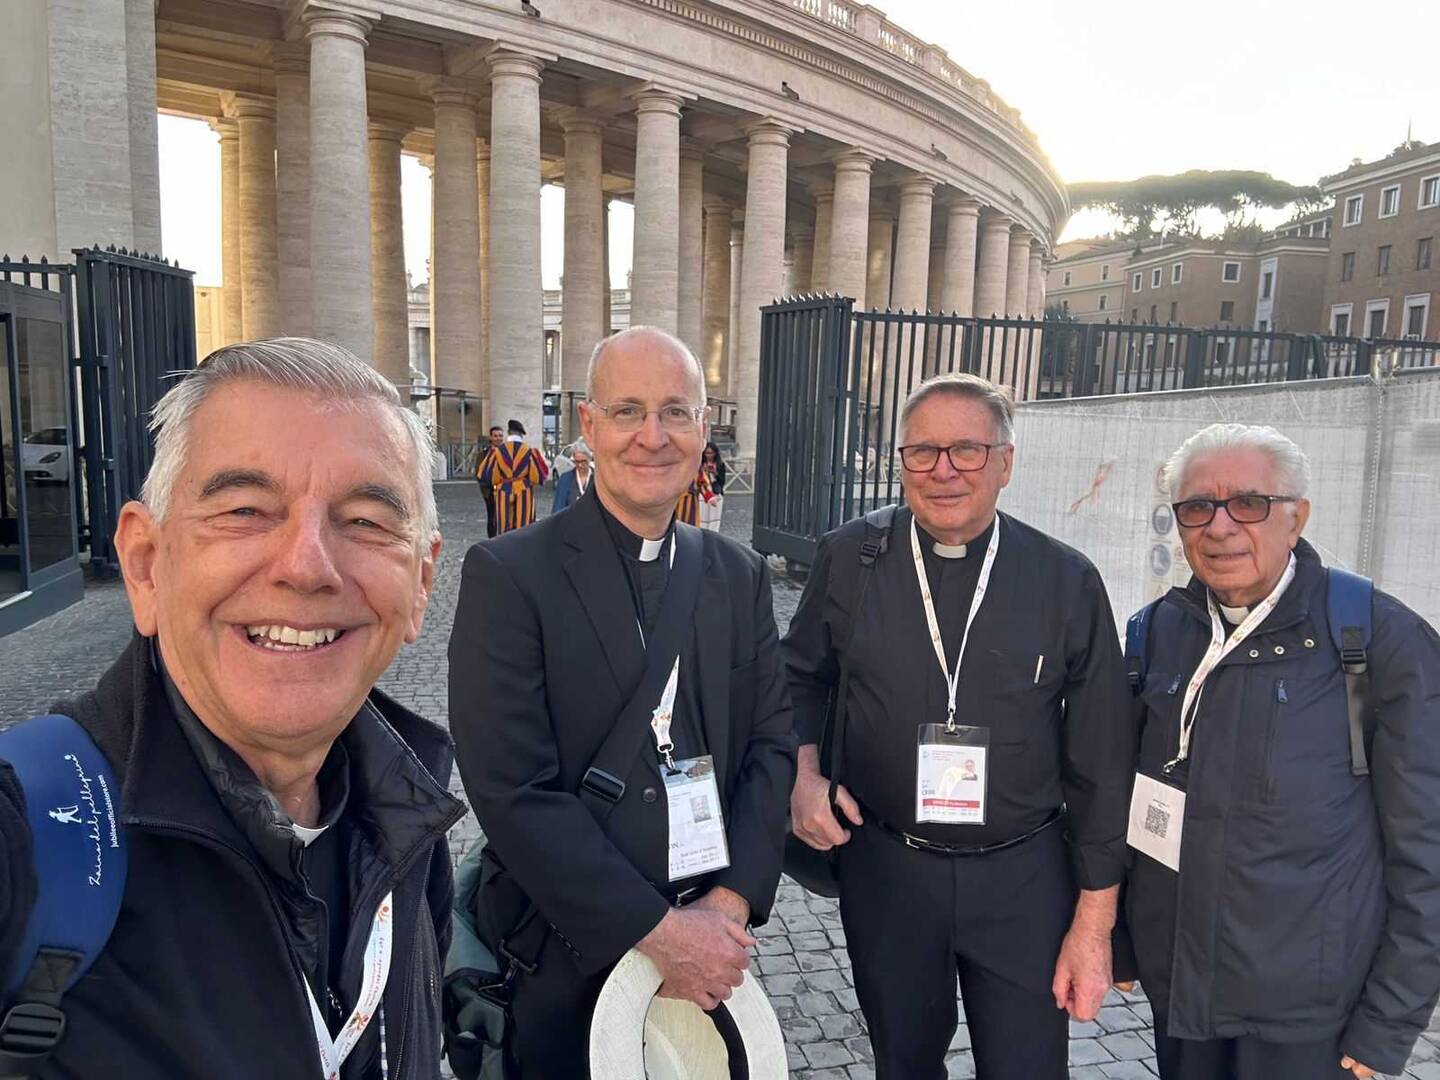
(1171, 765)
(950, 722)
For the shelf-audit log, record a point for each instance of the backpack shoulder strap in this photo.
(79, 854)
(1348, 609)
(1137, 645)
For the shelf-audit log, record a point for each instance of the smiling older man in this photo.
(1284, 906)
(288, 895)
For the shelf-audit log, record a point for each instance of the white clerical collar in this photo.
(650, 549)
(306, 835)
(1233, 615)
(949, 551)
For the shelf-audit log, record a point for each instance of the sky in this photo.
(1114, 90)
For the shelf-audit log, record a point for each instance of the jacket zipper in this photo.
(1282, 697)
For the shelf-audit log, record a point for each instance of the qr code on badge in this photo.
(1157, 821)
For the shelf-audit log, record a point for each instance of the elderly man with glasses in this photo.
(626, 740)
(1284, 902)
(973, 697)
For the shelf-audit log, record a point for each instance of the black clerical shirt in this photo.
(1043, 671)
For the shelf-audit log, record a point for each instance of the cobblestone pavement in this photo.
(801, 956)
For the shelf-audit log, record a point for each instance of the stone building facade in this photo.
(738, 130)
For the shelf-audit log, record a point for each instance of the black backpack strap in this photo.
(1348, 609)
(878, 524)
(1137, 645)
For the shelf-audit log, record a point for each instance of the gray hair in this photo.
(959, 384)
(299, 364)
(597, 354)
(579, 446)
(1292, 467)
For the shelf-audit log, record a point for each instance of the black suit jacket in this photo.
(542, 656)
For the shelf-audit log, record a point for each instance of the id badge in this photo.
(1157, 816)
(952, 775)
(697, 824)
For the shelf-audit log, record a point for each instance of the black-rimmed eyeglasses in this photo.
(1243, 509)
(964, 456)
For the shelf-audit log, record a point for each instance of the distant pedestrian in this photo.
(712, 466)
(487, 489)
(575, 482)
(515, 470)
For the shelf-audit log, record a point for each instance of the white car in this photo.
(45, 456)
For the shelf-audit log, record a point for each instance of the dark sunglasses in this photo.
(1243, 509)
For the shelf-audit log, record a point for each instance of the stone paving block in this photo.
(773, 946)
(1126, 1046)
(861, 1072)
(809, 941)
(826, 1074)
(788, 984)
(847, 1000)
(815, 961)
(1087, 1072)
(839, 1026)
(1129, 1070)
(837, 937)
(816, 1003)
(776, 965)
(826, 980)
(821, 1054)
(960, 1066)
(1085, 1029)
(794, 1059)
(859, 1045)
(1424, 1070)
(783, 1005)
(961, 1039)
(1088, 1052)
(1119, 1018)
(800, 1030)
(799, 924)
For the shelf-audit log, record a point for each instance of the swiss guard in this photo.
(514, 470)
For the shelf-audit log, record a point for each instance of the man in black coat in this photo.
(1284, 907)
(281, 815)
(559, 631)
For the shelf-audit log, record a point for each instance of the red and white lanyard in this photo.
(333, 1052)
(1221, 647)
(952, 679)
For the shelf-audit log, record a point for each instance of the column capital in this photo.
(654, 98)
(822, 190)
(447, 91)
(802, 236)
(226, 127)
(509, 61)
(332, 22)
(965, 206)
(690, 150)
(249, 106)
(382, 129)
(854, 160)
(994, 220)
(482, 152)
(1020, 232)
(579, 122)
(715, 206)
(290, 58)
(769, 132)
(922, 186)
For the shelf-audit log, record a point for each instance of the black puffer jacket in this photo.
(200, 979)
(1308, 900)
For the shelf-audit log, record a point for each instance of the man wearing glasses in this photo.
(986, 763)
(1284, 905)
(626, 740)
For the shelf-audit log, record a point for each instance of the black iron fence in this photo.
(832, 381)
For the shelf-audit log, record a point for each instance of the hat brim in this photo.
(637, 1036)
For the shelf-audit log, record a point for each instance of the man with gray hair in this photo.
(289, 886)
(971, 698)
(1284, 900)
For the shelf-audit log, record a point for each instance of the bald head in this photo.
(643, 344)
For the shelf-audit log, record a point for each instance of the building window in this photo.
(1134, 314)
(1267, 285)
(1422, 252)
(1417, 314)
(1152, 313)
(1430, 192)
(1347, 266)
(1227, 311)
(1390, 201)
(1377, 312)
(1175, 272)
(1340, 320)
(1264, 326)
(1354, 207)
(1230, 272)
(1105, 272)
(1137, 282)
(1156, 277)
(1067, 277)
(1104, 301)
(1382, 260)
(1174, 311)
(1065, 307)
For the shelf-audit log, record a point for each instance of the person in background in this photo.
(487, 489)
(574, 482)
(712, 466)
(515, 470)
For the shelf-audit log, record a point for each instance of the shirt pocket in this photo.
(1018, 695)
(1161, 698)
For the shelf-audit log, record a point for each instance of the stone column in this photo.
(517, 320)
(482, 187)
(1035, 305)
(737, 263)
(1017, 273)
(938, 338)
(879, 258)
(962, 228)
(824, 221)
(909, 291)
(455, 284)
(802, 264)
(850, 226)
(339, 210)
(715, 336)
(608, 322)
(144, 124)
(655, 280)
(259, 252)
(232, 300)
(292, 186)
(582, 318)
(761, 276)
(990, 271)
(692, 244)
(391, 355)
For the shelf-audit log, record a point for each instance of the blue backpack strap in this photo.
(1137, 646)
(72, 808)
(1348, 609)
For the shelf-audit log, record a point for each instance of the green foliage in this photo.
(1171, 203)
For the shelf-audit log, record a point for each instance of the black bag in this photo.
(811, 868)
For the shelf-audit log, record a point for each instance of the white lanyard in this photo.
(1220, 647)
(663, 714)
(952, 679)
(333, 1052)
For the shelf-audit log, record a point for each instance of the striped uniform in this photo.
(514, 469)
(688, 508)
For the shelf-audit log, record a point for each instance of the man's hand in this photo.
(1362, 1072)
(1082, 973)
(810, 815)
(725, 902)
(700, 954)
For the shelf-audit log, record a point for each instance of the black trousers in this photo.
(914, 921)
(552, 1010)
(1245, 1058)
(490, 519)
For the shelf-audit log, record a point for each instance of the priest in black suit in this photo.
(599, 660)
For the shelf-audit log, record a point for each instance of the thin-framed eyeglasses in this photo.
(964, 456)
(1243, 509)
(630, 415)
